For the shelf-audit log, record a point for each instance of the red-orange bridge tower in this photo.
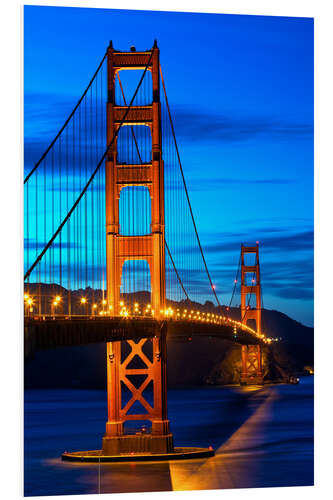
(251, 354)
(120, 372)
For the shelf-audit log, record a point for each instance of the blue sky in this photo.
(241, 92)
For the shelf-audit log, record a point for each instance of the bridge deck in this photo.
(48, 333)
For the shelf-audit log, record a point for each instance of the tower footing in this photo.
(142, 443)
(252, 380)
(99, 456)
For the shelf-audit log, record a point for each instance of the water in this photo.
(263, 438)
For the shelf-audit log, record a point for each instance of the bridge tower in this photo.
(150, 248)
(251, 354)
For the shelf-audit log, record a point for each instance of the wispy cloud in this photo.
(192, 126)
(218, 183)
(277, 242)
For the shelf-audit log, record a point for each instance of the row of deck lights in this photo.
(178, 314)
(189, 315)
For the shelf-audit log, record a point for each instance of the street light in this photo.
(104, 304)
(54, 305)
(26, 296)
(29, 304)
(84, 302)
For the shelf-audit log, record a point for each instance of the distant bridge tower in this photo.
(252, 288)
(148, 247)
(251, 354)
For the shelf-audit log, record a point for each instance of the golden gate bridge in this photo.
(112, 251)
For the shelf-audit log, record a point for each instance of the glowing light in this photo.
(121, 303)
(103, 302)
(83, 300)
(94, 306)
(26, 296)
(29, 301)
(58, 298)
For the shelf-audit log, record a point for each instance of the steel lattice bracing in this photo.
(251, 365)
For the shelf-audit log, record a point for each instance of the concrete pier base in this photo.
(100, 456)
(141, 443)
(252, 380)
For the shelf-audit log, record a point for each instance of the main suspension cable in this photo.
(186, 192)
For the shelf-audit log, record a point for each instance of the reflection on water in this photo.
(263, 437)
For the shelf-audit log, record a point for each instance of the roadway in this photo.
(51, 332)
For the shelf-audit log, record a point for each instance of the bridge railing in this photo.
(144, 312)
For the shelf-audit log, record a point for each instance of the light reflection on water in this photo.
(263, 437)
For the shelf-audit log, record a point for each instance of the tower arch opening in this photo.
(134, 211)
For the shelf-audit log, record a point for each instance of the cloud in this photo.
(193, 126)
(218, 183)
(300, 293)
(288, 242)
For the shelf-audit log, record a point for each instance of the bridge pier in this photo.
(122, 378)
(251, 373)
